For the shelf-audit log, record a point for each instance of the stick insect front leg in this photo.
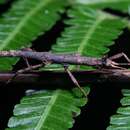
(119, 55)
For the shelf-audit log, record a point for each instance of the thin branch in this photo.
(58, 78)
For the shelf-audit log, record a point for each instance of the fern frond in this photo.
(24, 22)
(121, 121)
(90, 33)
(46, 110)
(121, 5)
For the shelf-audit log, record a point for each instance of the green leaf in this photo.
(121, 5)
(24, 22)
(121, 121)
(90, 33)
(46, 110)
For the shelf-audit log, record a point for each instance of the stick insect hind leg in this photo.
(29, 67)
(74, 80)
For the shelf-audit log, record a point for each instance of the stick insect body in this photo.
(47, 57)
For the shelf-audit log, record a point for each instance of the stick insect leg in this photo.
(29, 67)
(24, 70)
(26, 61)
(119, 55)
(18, 72)
(74, 80)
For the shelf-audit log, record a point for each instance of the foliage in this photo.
(122, 5)
(121, 121)
(24, 23)
(2, 1)
(46, 110)
(89, 31)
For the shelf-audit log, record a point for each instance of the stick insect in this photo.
(64, 59)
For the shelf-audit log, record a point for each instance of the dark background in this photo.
(104, 99)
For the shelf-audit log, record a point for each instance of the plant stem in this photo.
(57, 78)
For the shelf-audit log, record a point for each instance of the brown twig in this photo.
(58, 78)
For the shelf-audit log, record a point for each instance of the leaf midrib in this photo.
(22, 22)
(88, 35)
(47, 110)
